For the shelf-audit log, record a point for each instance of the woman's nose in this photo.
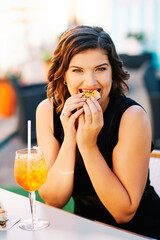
(90, 79)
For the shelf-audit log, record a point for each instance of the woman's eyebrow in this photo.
(74, 67)
(103, 64)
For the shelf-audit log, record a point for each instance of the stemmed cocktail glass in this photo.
(30, 173)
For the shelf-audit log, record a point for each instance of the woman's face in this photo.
(90, 70)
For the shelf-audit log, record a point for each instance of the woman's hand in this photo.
(90, 124)
(68, 118)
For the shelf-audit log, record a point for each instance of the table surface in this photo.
(63, 225)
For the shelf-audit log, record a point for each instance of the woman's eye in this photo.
(101, 69)
(77, 70)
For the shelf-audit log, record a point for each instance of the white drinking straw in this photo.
(29, 139)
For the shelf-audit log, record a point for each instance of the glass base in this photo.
(33, 226)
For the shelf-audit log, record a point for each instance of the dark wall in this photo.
(28, 98)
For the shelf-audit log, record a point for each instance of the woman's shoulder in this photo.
(135, 117)
(130, 108)
(45, 106)
(44, 111)
(128, 111)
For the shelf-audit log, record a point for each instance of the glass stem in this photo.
(32, 199)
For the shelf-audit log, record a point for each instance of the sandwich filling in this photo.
(90, 93)
(3, 218)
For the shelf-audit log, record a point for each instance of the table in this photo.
(63, 225)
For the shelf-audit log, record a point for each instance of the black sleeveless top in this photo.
(87, 204)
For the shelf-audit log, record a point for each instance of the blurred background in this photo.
(29, 30)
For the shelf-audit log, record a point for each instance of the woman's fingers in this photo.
(99, 109)
(72, 103)
(72, 109)
(67, 111)
(93, 112)
(77, 114)
(87, 113)
(72, 119)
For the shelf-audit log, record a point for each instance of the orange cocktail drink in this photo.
(30, 173)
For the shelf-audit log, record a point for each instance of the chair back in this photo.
(154, 167)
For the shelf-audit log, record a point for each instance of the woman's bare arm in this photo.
(60, 160)
(57, 189)
(120, 190)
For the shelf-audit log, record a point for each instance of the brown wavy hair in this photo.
(76, 40)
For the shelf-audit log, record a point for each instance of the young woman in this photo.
(96, 151)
